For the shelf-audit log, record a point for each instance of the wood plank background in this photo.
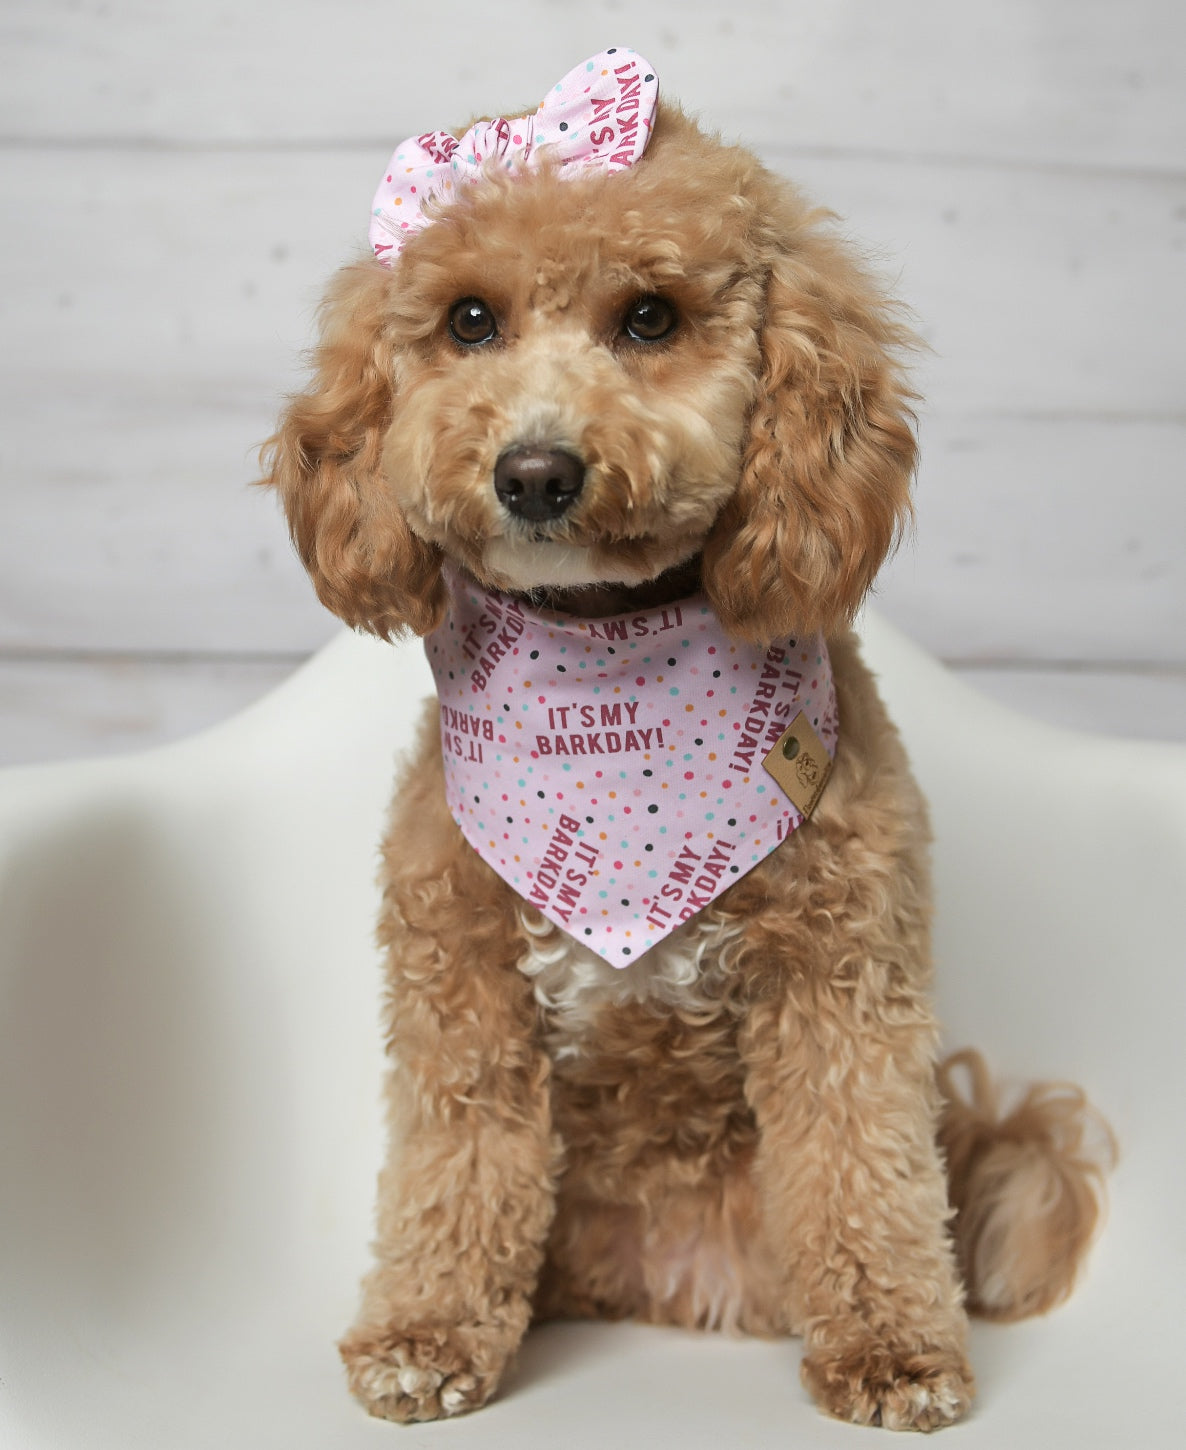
(179, 179)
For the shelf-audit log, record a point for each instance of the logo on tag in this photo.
(800, 765)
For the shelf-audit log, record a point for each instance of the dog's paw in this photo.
(426, 1373)
(875, 1385)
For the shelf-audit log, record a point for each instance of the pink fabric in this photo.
(611, 770)
(600, 114)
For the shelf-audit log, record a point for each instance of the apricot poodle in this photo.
(619, 423)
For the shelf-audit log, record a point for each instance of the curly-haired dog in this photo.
(606, 378)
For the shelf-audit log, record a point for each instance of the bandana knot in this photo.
(600, 115)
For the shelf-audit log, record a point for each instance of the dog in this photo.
(609, 395)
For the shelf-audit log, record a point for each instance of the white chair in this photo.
(190, 1066)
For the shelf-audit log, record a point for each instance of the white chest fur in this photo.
(573, 984)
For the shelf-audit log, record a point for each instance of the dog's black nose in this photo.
(538, 483)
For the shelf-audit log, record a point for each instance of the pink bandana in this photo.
(611, 770)
(600, 114)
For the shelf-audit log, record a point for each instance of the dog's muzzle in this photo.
(538, 484)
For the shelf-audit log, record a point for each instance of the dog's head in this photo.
(584, 380)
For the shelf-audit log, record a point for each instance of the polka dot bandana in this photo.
(610, 770)
(600, 115)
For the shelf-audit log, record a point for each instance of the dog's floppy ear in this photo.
(324, 460)
(825, 479)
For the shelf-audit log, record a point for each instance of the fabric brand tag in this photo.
(800, 764)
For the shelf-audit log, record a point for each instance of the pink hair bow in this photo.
(600, 115)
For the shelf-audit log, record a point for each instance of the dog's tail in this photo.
(1027, 1188)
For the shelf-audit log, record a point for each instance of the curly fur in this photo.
(743, 1129)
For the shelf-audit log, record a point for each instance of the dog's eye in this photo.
(650, 319)
(471, 322)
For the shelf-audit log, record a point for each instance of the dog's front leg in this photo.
(839, 1057)
(466, 1198)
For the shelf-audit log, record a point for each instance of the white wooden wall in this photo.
(179, 178)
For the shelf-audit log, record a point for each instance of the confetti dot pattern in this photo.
(610, 770)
